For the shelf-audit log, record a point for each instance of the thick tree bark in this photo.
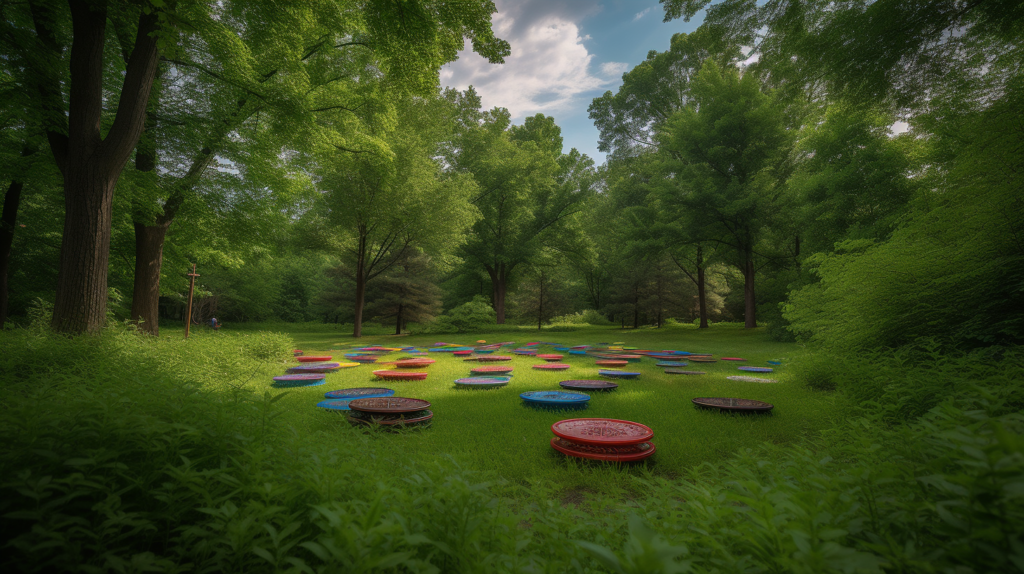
(499, 281)
(749, 302)
(499, 300)
(92, 164)
(12, 199)
(149, 253)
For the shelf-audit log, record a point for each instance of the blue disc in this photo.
(671, 364)
(300, 383)
(555, 398)
(774, 362)
(756, 369)
(618, 374)
(335, 404)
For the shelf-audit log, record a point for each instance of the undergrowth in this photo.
(118, 458)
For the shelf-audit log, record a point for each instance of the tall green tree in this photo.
(380, 204)
(727, 154)
(531, 195)
(91, 153)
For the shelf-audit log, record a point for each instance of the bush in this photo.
(474, 316)
(587, 317)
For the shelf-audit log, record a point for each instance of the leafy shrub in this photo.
(587, 317)
(474, 316)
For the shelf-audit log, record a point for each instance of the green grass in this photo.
(492, 430)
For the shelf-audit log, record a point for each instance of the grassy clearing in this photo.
(492, 430)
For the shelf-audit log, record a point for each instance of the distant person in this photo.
(214, 324)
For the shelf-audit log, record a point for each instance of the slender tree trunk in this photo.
(540, 305)
(398, 321)
(91, 164)
(749, 302)
(149, 253)
(636, 308)
(12, 199)
(702, 302)
(357, 328)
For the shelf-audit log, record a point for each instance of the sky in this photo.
(564, 54)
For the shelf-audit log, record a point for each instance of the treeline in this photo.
(844, 175)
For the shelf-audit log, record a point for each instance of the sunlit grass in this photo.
(493, 430)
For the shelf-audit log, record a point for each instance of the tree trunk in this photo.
(749, 303)
(702, 302)
(499, 299)
(92, 164)
(636, 309)
(149, 252)
(398, 320)
(12, 199)
(540, 304)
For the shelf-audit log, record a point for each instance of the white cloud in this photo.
(641, 14)
(549, 67)
(614, 68)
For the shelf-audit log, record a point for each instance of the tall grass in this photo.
(126, 454)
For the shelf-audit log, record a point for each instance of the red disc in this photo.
(314, 359)
(550, 357)
(491, 369)
(611, 363)
(602, 431)
(732, 359)
(493, 358)
(388, 405)
(462, 353)
(613, 453)
(552, 367)
(399, 375)
(413, 363)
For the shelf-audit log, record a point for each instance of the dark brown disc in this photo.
(389, 405)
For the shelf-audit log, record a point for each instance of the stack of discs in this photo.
(603, 439)
(339, 400)
(389, 412)
(298, 352)
(306, 380)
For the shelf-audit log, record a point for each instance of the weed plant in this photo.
(128, 454)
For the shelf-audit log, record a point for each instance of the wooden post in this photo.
(191, 288)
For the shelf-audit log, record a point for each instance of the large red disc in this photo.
(413, 363)
(609, 363)
(602, 431)
(550, 357)
(314, 358)
(613, 453)
(389, 405)
(491, 369)
(552, 367)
